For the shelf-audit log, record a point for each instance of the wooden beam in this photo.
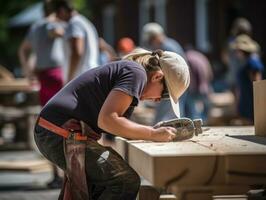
(259, 107)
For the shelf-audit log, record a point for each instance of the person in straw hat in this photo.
(247, 52)
(101, 100)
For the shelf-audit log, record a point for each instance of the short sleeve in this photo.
(51, 26)
(255, 64)
(131, 80)
(74, 31)
(30, 34)
(54, 25)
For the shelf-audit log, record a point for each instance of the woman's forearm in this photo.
(123, 127)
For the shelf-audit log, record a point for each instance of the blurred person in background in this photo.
(251, 69)
(154, 37)
(107, 52)
(201, 75)
(82, 38)
(44, 39)
(124, 46)
(240, 26)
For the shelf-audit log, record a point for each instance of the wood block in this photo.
(30, 165)
(212, 158)
(249, 170)
(259, 88)
(167, 197)
(245, 159)
(222, 99)
(164, 163)
(15, 85)
(248, 145)
(5, 73)
(230, 197)
(206, 192)
(193, 193)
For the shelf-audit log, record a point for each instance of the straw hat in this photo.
(245, 43)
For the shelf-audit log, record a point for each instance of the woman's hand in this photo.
(163, 134)
(111, 120)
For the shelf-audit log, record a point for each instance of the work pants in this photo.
(108, 176)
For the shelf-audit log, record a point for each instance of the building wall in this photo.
(181, 20)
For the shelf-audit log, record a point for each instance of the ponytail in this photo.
(149, 60)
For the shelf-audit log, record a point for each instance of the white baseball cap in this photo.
(177, 77)
(176, 74)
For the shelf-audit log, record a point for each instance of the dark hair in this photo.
(65, 4)
(157, 52)
(153, 63)
(149, 60)
(48, 7)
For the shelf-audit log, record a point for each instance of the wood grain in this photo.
(260, 107)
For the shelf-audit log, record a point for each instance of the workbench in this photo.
(19, 106)
(222, 160)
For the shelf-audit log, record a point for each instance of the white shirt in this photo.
(81, 27)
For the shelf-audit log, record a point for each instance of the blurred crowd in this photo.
(64, 44)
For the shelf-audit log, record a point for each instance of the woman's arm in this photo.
(111, 120)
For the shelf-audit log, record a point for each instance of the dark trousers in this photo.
(108, 175)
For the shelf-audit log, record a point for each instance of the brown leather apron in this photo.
(76, 135)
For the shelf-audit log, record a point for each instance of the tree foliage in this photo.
(10, 38)
(9, 43)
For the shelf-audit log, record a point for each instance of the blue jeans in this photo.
(108, 175)
(191, 109)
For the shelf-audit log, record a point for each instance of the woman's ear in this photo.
(157, 76)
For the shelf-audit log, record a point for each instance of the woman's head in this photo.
(150, 62)
(165, 70)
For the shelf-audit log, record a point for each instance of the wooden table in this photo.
(14, 85)
(223, 160)
(19, 105)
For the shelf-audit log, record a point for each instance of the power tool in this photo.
(186, 128)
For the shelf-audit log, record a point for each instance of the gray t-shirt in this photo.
(80, 27)
(49, 51)
(83, 97)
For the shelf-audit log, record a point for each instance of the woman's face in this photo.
(154, 88)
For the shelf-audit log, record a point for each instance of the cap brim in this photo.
(175, 107)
